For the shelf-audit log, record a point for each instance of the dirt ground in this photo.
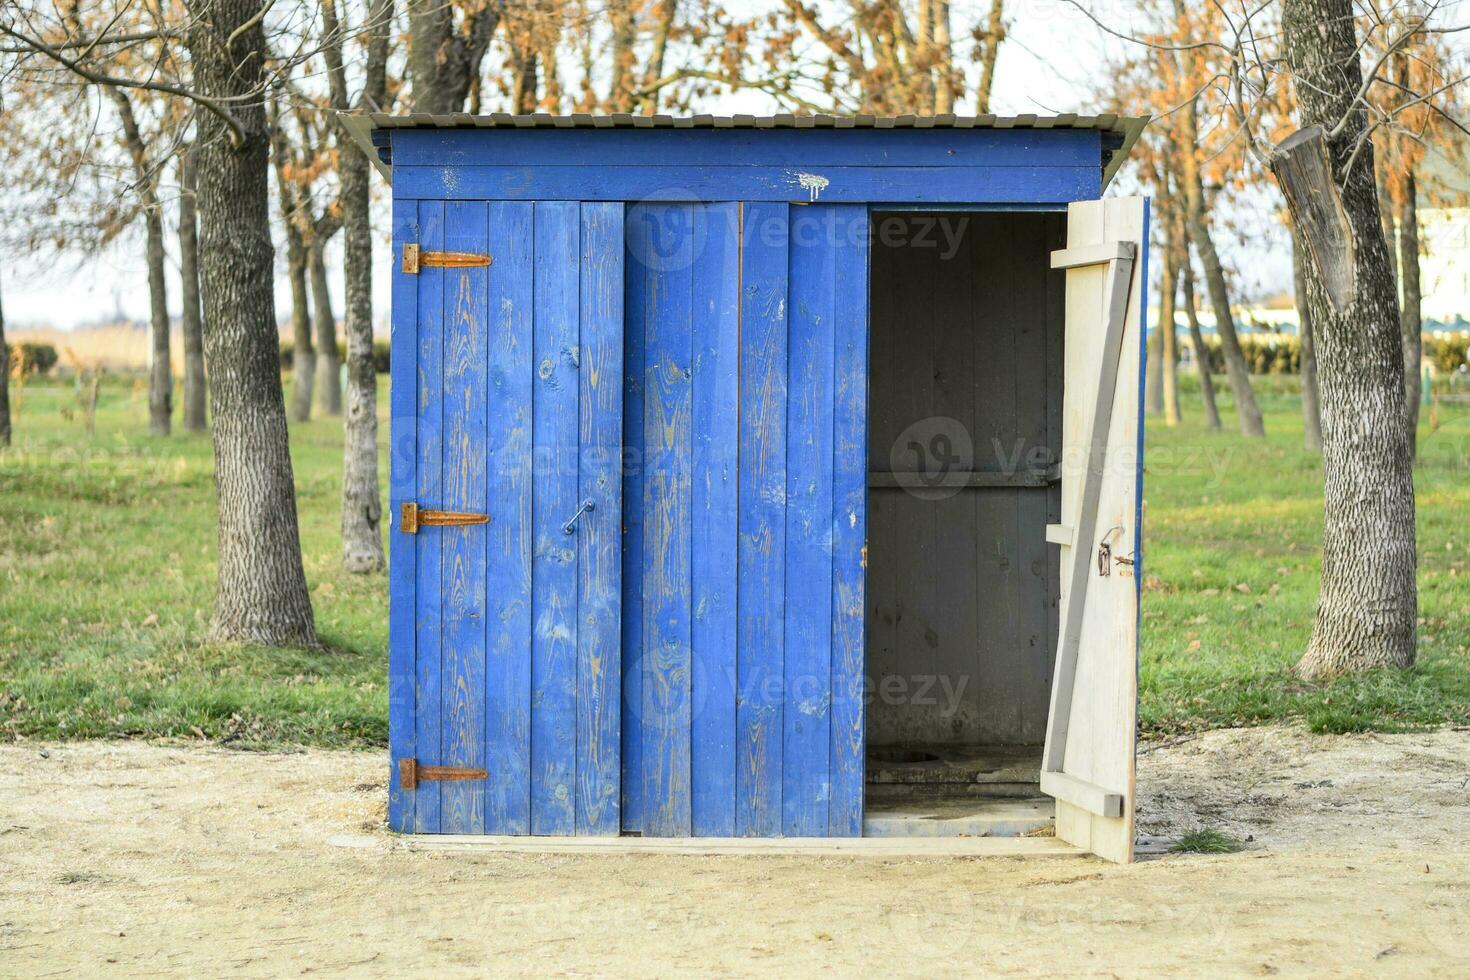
(132, 859)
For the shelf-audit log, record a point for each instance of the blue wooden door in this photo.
(507, 402)
(745, 517)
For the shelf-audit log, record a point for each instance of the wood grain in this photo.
(599, 532)
(463, 547)
(762, 546)
(428, 714)
(509, 503)
(554, 564)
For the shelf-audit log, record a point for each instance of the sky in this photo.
(1047, 65)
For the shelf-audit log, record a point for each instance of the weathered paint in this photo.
(698, 669)
(516, 413)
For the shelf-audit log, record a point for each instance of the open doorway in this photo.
(965, 435)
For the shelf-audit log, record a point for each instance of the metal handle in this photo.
(587, 507)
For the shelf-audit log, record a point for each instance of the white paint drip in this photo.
(813, 184)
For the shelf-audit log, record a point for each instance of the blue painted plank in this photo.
(429, 641)
(554, 571)
(463, 548)
(402, 488)
(666, 572)
(599, 531)
(715, 518)
(508, 453)
(812, 309)
(919, 185)
(638, 279)
(849, 525)
(803, 150)
(762, 546)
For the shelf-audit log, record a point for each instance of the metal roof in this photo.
(624, 120)
(1126, 127)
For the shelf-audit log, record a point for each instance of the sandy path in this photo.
(132, 859)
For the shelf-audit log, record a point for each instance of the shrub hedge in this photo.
(39, 358)
(1282, 353)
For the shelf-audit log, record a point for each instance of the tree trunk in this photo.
(261, 595)
(1169, 345)
(1197, 341)
(1196, 213)
(303, 346)
(995, 32)
(362, 509)
(1246, 410)
(1410, 319)
(444, 60)
(1311, 407)
(1153, 373)
(1368, 603)
(329, 363)
(160, 373)
(191, 321)
(4, 384)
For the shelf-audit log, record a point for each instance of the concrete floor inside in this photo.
(955, 791)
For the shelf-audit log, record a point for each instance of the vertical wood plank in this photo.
(430, 586)
(666, 556)
(554, 568)
(806, 721)
(403, 470)
(849, 523)
(463, 548)
(638, 279)
(509, 505)
(715, 514)
(762, 546)
(599, 532)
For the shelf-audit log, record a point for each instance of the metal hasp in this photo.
(410, 773)
(414, 260)
(411, 518)
(571, 525)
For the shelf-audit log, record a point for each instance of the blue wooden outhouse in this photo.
(759, 477)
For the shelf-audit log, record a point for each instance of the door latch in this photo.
(587, 507)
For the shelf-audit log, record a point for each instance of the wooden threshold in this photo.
(874, 847)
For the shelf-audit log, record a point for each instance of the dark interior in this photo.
(965, 406)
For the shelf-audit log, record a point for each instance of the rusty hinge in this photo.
(410, 773)
(414, 260)
(411, 518)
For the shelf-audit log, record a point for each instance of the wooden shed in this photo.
(764, 477)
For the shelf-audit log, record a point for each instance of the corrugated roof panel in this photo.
(623, 120)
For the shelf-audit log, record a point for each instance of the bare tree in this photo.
(261, 595)
(191, 322)
(1368, 605)
(4, 383)
(362, 508)
(303, 346)
(160, 373)
(1197, 223)
(445, 52)
(1197, 341)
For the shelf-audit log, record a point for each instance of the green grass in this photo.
(1207, 841)
(107, 569)
(107, 549)
(1232, 559)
